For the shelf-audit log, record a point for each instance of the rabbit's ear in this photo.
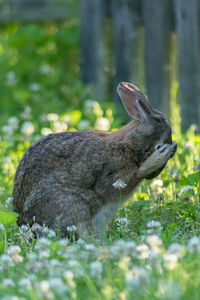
(134, 101)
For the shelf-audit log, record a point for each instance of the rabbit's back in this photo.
(84, 163)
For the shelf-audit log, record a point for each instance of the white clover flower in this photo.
(75, 267)
(27, 128)
(49, 233)
(170, 261)
(34, 87)
(96, 269)
(136, 277)
(119, 184)
(84, 125)
(42, 243)
(122, 248)
(154, 242)
(43, 254)
(189, 145)
(14, 251)
(57, 285)
(46, 131)
(8, 282)
(143, 251)
(102, 124)
(13, 122)
(63, 242)
(6, 261)
(193, 244)
(7, 129)
(52, 117)
(69, 277)
(177, 249)
(157, 183)
(24, 282)
(44, 286)
(93, 107)
(71, 228)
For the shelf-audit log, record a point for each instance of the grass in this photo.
(152, 248)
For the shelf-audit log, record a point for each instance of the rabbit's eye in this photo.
(157, 147)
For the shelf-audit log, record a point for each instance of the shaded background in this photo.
(55, 54)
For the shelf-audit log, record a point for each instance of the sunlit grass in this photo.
(152, 246)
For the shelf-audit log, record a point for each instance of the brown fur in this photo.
(67, 178)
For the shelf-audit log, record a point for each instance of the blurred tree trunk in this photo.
(156, 15)
(91, 42)
(123, 31)
(187, 25)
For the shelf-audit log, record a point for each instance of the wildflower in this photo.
(25, 233)
(49, 233)
(93, 108)
(69, 277)
(119, 184)
(75, 267)
(34, 87)
(153, 226)
(13, 122)
(177, 249)
(138, 276)
(27, 128)
(96, 269)
(189, 145)
(44, 285)
(156, 184)
(170, 261)
(193, 244)
(102, 124)
(44, 253)
(14, 251)
(57, 285)
(8, 282)
(122, 248)
(42, 243)
(71, 228)
(154, 242)
(25, 283)
(6, 261)
(46, 131)
(90, 247)
(52, 117)
(143, 251)
(122, 224)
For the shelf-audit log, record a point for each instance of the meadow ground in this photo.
(152, 248)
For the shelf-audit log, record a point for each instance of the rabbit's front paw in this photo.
(154, 164)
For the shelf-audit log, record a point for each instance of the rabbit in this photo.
(74, 178)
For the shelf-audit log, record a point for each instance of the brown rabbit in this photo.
(72, 178)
